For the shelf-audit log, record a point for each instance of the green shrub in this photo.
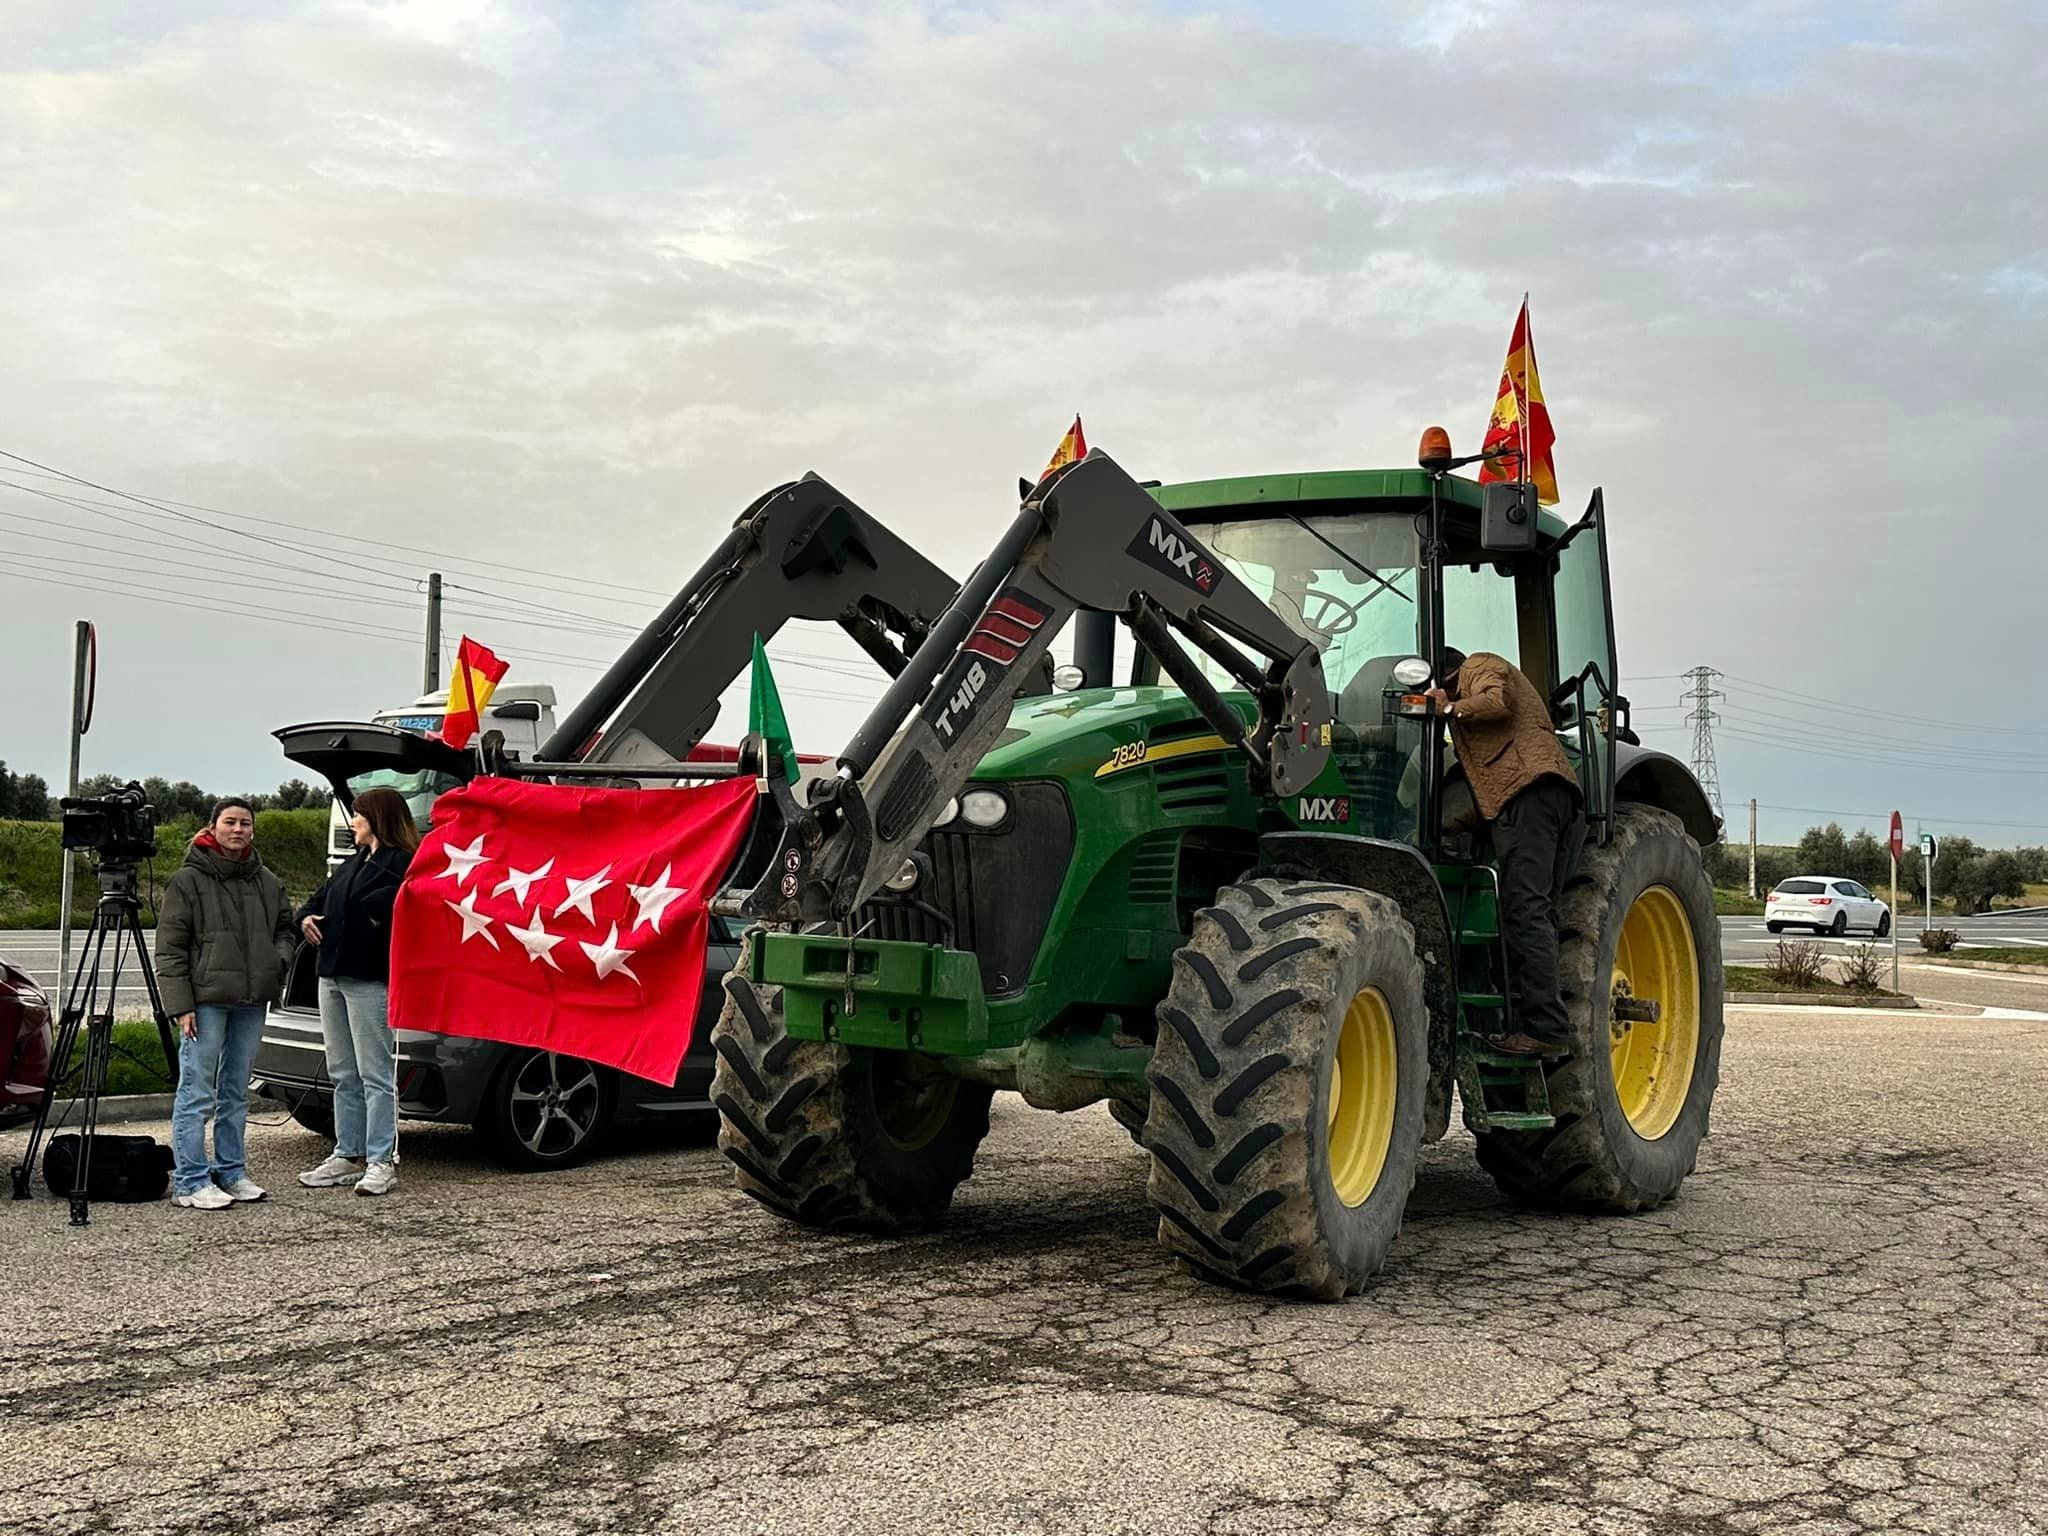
(292, 843)
(1794, 965)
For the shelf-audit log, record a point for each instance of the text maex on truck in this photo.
(1242, 898)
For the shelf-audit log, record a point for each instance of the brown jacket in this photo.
(1502, 730)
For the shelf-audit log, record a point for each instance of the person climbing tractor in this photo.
(1529, 794)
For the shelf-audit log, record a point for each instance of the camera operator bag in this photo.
(124, 1168)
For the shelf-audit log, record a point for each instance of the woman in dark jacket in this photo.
(350, 919)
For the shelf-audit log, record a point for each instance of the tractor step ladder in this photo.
(1497, 1092)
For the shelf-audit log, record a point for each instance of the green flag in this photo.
(765, 718)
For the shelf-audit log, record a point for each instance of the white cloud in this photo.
(572, 284)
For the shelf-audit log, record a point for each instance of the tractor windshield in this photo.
(1346, 582)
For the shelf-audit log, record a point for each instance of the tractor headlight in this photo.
(904, 879)
(983, 808)
(952, 809)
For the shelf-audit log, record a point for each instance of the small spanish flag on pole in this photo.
(476, 677)
(1073, 448)
(1522, 419)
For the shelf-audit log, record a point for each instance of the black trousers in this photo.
(1536, 842)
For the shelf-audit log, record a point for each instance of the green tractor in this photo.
(1242, 897)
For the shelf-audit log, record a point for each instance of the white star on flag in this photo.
(538, 943)
(463, 862)
(608, 957)
(580, 892)
(654, 899)
(474, 923)
(519, 880)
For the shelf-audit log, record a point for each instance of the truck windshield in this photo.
(1360, 611)
(420, 789)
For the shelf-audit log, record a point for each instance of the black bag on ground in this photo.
(124, 1168)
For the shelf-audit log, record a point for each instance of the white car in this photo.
(1826, 904)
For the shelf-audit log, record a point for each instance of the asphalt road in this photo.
(1838, 1327)
(1744, 940)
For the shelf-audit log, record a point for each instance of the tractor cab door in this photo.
(1582, 621)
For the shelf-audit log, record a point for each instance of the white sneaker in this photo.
(207, 1197)
(337, 1170)
(379, 1179)
(244, 1188)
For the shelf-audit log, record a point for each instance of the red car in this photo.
(24, 1044)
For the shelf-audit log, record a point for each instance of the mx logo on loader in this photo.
(1323, 808)
(999, 635)
(1166, 549)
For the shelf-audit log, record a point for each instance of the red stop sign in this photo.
(1898, 836)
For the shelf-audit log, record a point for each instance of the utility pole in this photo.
(433, 632)
(1701, 697)
(1752, 850)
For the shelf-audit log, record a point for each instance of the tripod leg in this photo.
(77, 1002)
(99, 1053)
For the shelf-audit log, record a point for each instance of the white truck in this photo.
(523, 712)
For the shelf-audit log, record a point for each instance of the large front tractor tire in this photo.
(1287, 1088)
(828, 1136)
(1632, 1100)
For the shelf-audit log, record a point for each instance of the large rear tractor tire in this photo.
(874, 1141)
(1632, 1101)
(1287, 1088)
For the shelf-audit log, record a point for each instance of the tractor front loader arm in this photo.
(1089, 538)
(801, 551)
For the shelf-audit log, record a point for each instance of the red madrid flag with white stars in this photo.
(569, 919)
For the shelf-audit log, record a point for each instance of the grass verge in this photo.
(137, 1065)
(1737, 903)
(2008, 955)
(1754, 978)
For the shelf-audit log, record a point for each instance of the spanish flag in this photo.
(477, 673)
(1521, 418)
(1073, 447)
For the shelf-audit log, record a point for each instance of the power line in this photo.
(1883, 714)
(519, 609)
(1842, 754)
(1885, 816)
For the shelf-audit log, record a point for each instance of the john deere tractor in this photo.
(1240, 895)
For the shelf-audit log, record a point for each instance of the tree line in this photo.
(26, 797)
(1968, 875)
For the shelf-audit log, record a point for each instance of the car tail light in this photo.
(1820, 901)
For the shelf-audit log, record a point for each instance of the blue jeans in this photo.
(362, 1064)
(213, 1083)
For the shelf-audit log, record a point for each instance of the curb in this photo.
(1992, 966)
(1821, 1000)
(117, 1109)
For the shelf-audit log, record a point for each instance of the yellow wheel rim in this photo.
(1364, 1083)
(1655, 961)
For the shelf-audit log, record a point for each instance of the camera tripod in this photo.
(94, 993)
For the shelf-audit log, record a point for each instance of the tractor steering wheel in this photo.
(1325, 604)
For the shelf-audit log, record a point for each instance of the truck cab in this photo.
(523, 713)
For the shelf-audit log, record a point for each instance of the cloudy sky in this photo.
(541, 294)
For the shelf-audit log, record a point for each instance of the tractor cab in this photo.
(1349, 561)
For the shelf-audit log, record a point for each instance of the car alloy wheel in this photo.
(553, 1105)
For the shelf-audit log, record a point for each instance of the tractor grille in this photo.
(1155, 866)
(996, 889)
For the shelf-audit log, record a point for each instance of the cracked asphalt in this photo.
(1838, 1327)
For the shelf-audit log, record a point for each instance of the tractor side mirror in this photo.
(1412, 672)
(1507, 516)
(1066, 679)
